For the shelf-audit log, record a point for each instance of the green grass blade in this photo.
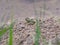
(2, 32)
(5, 29)
(11, 35)
(38, 33)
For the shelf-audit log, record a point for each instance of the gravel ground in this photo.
(24, 33)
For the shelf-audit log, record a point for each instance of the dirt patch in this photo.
(24, 33)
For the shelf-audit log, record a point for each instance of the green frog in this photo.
(30, 21)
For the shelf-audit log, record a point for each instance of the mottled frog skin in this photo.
(30, 21)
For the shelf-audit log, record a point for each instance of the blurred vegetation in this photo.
(38, 33)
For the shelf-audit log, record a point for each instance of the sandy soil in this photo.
(24, 33)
